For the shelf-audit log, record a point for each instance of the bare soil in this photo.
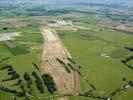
(125, 27)
(53, 48)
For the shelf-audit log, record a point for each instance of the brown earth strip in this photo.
(66, 83)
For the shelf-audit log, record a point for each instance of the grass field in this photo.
(21, 58)
(105, 73)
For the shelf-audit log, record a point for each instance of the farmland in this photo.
(62, 46)
(91, 59)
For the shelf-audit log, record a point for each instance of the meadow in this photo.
(105, 72)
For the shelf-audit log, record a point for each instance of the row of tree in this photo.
(38, 82)
(11, 91)
(5, 67)
(130, 49)
(49, 82)
(14, 75)
(4, 59)
(64, 65)
(126, 60)
(28, 79)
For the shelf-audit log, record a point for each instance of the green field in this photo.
(97, 49)
(86, 48)
(105, 74)
(21, 57)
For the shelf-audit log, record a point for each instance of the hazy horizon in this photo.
(60, 1)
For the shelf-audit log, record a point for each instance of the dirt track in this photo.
(66, 83)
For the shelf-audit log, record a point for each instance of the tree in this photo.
(49, 82)
(26, 76)
(124, 79)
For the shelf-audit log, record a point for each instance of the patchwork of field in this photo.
(20, 54)
(97, 50)
(85, 56)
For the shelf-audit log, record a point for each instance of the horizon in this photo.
(60, 1)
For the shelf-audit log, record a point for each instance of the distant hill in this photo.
(63, 1)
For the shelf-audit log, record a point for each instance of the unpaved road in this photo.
(66, 83)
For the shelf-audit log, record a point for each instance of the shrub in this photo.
(5, 28)
(7, 66)
(71, 67)
(35, 66)
(15, 76)
(67, 69)
(10, 69)
(71, 60)
(11, 72)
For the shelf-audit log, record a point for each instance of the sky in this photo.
(102, 1)
(88, 0)
(60, 1)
